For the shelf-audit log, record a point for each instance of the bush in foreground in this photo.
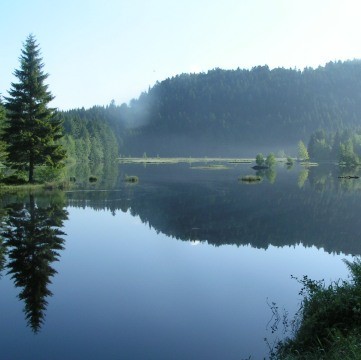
(329, 320)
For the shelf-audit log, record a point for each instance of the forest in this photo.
(88, 135)
(223, 113)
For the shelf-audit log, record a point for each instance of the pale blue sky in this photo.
(99, 50)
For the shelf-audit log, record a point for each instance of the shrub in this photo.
(14, 180)
(271, 160)
(259, 160)
(290, 161)
(131, 178)
(250, 178)
(327, 314)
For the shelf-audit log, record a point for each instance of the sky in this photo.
(96, 51)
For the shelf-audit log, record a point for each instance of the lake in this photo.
(182, 265)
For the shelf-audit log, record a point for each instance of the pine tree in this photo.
(2, 143)
(32, 128)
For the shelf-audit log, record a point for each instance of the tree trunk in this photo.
(31, 171)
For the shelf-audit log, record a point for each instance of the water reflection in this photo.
(313, 206)
(190, 205)
(32, 236)
(302, 177)
(309, 206)
(105, 173)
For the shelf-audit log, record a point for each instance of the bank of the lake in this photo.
(178, 160)
(328, 321)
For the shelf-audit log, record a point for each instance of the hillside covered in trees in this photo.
(224, 113)
(231, 112)
(89, 136)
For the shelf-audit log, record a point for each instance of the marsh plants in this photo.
(328, 322)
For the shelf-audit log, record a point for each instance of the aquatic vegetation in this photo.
(250, 178)
(240, 161)
(177, 160)
(349, 177)
(131, 178)
(210, 167)
(308, 163)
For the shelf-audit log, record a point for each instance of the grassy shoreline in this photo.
(5, 188)
(177, 160)
(329, 320)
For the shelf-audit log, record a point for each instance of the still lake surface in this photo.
(181, 265)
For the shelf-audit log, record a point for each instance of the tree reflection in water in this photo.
(33, 239)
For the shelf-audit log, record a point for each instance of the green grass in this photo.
(210, 167)
(241, 161)
(308, 164)
(177, 160)
(33, 187)
(338, 346)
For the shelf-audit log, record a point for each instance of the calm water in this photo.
(179, 266)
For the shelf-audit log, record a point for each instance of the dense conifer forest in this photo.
(89, 136)
(224, 112)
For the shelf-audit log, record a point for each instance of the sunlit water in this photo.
(181, 265)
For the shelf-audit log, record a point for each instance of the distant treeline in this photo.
(231, 109)
(343, 146)
(222, 112)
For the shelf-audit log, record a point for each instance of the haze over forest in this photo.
(224, 113)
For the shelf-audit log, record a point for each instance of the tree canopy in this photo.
(342, 146)
(32, 127)
(227, 112)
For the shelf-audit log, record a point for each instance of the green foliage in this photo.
(347, 155)
(185, 114)
(89, 136)
(15, 179)
(47, 173)
(131, 178)
(250, 178)
(270, 160)
(302, 152)
(32, 128)
(290, 161)
(271, 175)
(2, 125)
(344, 146)
(327, 314)
(260, 161)
(302, 177)
(320, 146)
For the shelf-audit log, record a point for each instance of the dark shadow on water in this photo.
(311, 206)
(32, 236)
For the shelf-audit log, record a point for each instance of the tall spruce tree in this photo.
(2, 143)
(32, 128)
